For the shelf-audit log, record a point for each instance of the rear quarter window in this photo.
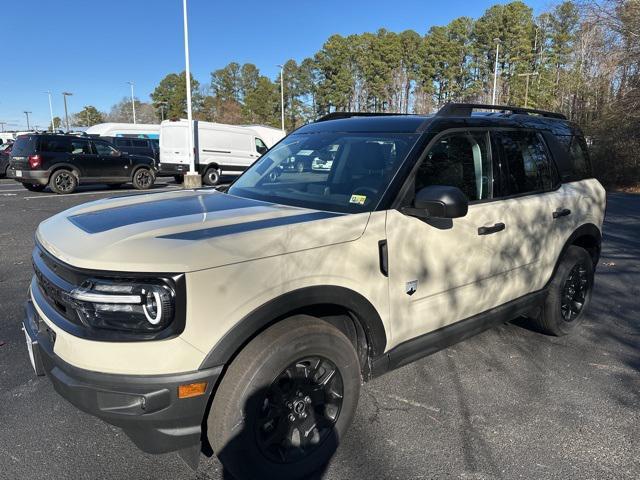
(24, 146)
(576, 147)
(55, 144)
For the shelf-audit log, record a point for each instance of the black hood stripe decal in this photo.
(213, 232)
(116, 217)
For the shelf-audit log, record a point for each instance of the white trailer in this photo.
(221, 150)
(132, 130)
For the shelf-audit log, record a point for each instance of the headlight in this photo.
(129, 306)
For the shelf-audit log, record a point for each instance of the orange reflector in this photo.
(192, 390)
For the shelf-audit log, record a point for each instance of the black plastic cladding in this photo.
(75, 276)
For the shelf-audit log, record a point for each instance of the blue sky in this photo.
(91, 48)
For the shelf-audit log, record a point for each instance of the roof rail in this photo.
(338, 115)
(465, 110)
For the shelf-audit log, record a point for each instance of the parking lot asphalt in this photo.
(508, 403)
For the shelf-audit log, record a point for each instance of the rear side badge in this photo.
(411, 287)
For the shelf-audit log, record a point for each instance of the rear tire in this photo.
(63, 182)
(142, 179)
(211, 177)
(569, 294)
(285, 401)
(178, 178)
(34, 187)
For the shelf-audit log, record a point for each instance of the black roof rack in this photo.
(338, 115)
(465, 110)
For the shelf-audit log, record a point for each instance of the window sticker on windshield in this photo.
(358, 199)
(304, 153)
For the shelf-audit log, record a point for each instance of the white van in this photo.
(220, 149)
(7, 137)
(133, 130)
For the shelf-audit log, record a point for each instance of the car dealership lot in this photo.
(509, 403)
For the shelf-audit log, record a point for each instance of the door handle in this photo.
(561, 212)
(488, 230)
(383, 257)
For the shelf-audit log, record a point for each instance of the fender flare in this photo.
(64, 166)
(584, 230)
(280, 307)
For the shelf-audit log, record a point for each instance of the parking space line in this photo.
(111, 192)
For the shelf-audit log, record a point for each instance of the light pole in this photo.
(526, 88)
(66, 112)
(2, 124)
(192, 179)
(282, 95)
(48, 92)
(133, 103)
(27, 114)
(162, 105)
(495, 71)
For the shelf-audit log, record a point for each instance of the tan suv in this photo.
(250, 318)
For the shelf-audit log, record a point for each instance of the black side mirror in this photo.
(438, 201)
(262, 150)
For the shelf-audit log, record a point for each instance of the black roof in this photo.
(451, 115)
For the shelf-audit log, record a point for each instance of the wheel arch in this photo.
(138, 167)
(204, 167)
(344, 308)
(587, 236)
(64, 166)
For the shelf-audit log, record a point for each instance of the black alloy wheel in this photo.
(574, 292)
(142, 179)
(568, 294)
(299, 410)
(285, 401)
(63, 182)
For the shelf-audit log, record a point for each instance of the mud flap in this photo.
(191, 456)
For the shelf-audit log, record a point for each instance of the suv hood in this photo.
(184, 231)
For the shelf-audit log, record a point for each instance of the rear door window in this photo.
(123, 142)
(525, 163)
(80, 146)
(139, 143)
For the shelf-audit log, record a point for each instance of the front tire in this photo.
(178, 178)
(142, 179)
(286, 401)
(569, 294)
(63, 182)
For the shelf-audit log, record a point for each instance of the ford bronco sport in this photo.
(250, 318)
(64, 161)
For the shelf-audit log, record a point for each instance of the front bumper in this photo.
(146, 407)
(36, 177)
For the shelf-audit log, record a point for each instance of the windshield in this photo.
(340, 172)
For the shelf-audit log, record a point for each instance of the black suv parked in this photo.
(64, 161)
(5, 153)
(148, 147)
